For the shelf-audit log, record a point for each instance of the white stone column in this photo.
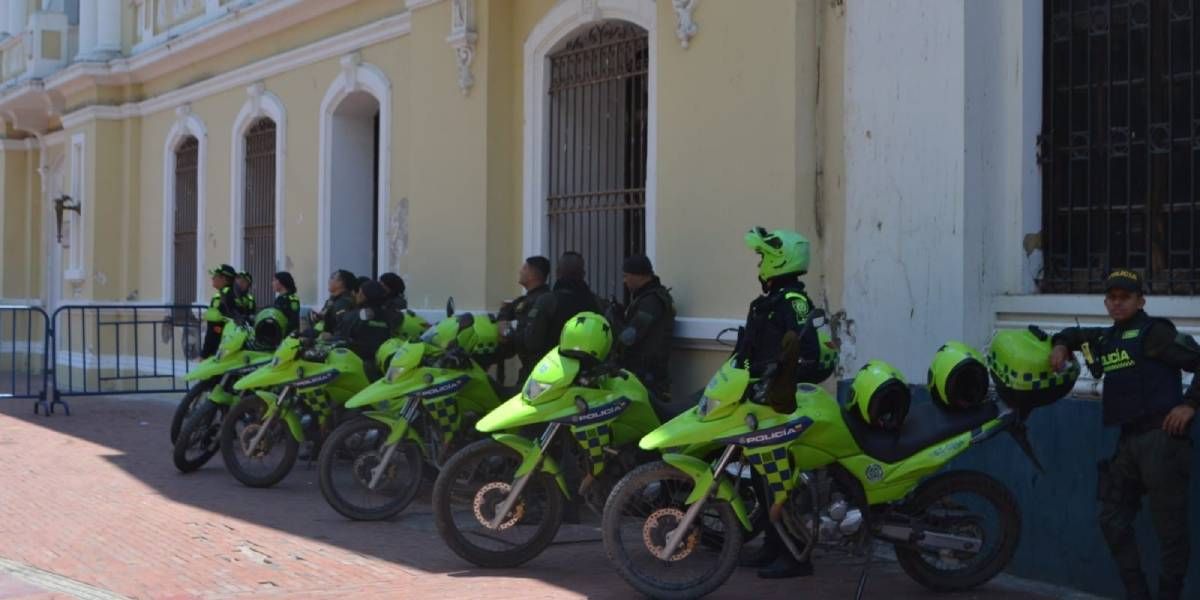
(108, 26)
(87, 28)
(4, 28)
(17, 16)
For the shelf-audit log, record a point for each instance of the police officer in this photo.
(286, 300)
(1140, 358)
(223, 305)
(396, 301)
(776, 333)
(524, 316)
(570, 296)
(647, 326)
(341, 285)
(242, 294)
(368, 327)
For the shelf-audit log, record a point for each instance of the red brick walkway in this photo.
(95, 499)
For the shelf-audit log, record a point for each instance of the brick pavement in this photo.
(94, 498)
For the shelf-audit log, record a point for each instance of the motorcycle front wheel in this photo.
(193, 396)
(199, 438)
(469, 492)
(271, 459)
(349, 461)
(643, 508)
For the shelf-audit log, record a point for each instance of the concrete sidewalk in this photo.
(92, 507)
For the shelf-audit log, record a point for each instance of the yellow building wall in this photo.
(20, 225)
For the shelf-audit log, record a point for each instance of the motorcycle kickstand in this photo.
(862, 578)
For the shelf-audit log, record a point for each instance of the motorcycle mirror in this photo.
(450, 306)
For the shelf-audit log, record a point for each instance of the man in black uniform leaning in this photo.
(1140, 358)
(525, 317)
(647, 328)
(223, 305)
(571, 296)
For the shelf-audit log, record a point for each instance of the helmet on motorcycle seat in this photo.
(586, 336)
(880, 396)
(1019, 361)
(269, 325)
(957, 378)
(780, 252)
(412, 325)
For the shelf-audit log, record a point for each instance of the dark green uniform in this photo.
(289, 305)
(245, 303)
(647, 330)
(334, 308)
(365, 330)
(529, 318)
(223, 305)
(1140, 361)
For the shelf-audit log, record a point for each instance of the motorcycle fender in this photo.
(529, 452)
(293, 422)
(219, 396)
(399, 426)
(702, 473)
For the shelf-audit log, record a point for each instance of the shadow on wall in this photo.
(1061, 541)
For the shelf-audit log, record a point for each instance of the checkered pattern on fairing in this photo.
(774, 464)
(594, 439)
(445, 413)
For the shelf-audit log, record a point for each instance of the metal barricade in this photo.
(123, 349)
(24, 338)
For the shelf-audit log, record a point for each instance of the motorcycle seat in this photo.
(926, 425)
(669, 410)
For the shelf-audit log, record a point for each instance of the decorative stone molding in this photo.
(685, 27)
(589, 10)
(462, 38)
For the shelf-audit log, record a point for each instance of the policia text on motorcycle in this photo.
(1140, 358)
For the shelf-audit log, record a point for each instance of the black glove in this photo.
(781, 393)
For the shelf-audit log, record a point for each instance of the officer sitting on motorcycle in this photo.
(524, 322)
(341, 284)
(775, 328)
(241, 292)
(222, 306)
(286, 300)
(366, 329)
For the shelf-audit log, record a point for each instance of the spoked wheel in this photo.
(647, 505)
(253, 459)
(186, 405)
(469, 492)
(352, 478)
(970, 505)
(199, 438)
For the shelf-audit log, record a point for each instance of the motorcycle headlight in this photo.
(707, 405)
(394, 373)
(535, 388)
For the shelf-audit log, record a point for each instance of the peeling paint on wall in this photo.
(397, 233)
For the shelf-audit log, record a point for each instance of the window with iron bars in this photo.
(598, 115)
(1120, 146)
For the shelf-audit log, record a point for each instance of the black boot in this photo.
(1170, 588)
(762, 557)
(786, 566)
(1135, 585)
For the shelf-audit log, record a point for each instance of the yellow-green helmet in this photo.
(880, 396)
(1019, 360)
(475, 335)
(586, 336)
(781, 252)
(412, 326)
(957, 378)
(269, 325)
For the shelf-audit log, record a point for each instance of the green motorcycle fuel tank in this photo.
(232, 359)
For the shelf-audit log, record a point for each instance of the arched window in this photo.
(258, 222)
(187, 169)
(597, 119)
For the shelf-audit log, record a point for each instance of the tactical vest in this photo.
(766, 325)
(1135, 386)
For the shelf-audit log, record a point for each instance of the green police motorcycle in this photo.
(499, 502)
(839, 477)
(293, 399)
(423, 410)
(238, 354)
